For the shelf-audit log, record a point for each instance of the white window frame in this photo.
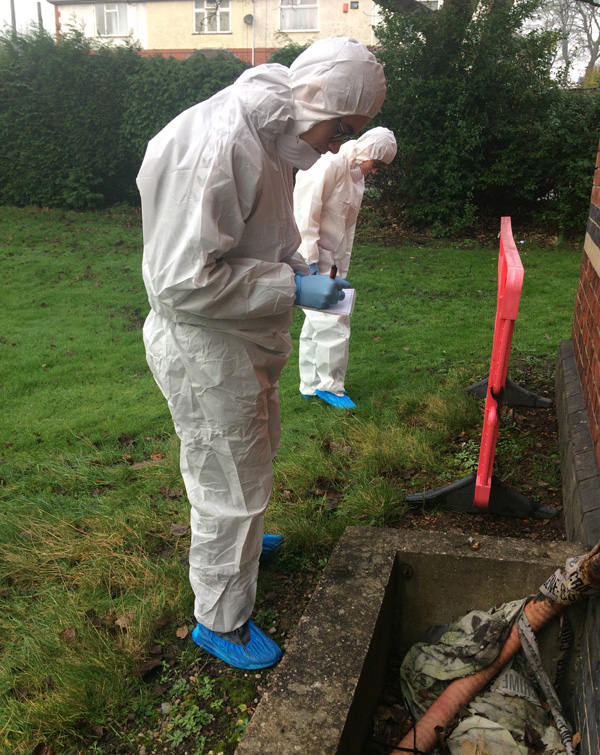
(212, 13)
(287, 10)
(108, 14)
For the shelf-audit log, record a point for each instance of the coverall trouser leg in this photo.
(222, 395)
(323, 352)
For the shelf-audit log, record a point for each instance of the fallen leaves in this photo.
(21, 693)
(42, 749)
(169, 494)
(68, 635)
(111, 622)
(123, 621)
(325, 488)
(179, 530)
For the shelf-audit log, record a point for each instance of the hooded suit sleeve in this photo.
(196, 208)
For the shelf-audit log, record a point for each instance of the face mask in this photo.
(295, 151)
(356, 174)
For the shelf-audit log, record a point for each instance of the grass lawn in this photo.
(93, 517)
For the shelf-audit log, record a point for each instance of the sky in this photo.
(26, 13)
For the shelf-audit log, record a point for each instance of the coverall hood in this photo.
(377, 144)
(334, 77)
(265, 91)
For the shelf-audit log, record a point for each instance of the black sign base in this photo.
(513, 395)
(504, 501)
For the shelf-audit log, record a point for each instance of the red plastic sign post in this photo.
(510, 283)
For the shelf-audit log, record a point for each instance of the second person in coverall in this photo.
(327, 199)
(222, 272)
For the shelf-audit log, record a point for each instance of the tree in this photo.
(482, 128)
(577, 26)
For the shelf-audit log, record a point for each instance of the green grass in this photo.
(92, 560)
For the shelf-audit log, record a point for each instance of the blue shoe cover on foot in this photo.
(269, 545)
(247, 648)
(340, 402)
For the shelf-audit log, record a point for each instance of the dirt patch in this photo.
(176, 675)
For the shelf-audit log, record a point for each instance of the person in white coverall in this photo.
(327, 200)
(222, 272)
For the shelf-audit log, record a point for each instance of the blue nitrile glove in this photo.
(319, 291)
(313, 268)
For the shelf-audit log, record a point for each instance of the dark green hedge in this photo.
(75, 120)
(482, 128)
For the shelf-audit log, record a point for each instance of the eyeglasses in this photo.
(344, 133)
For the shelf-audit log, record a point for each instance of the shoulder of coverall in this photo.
(267, 96)
(248, 112)
(329, 167)
(334, 77)
(215, 133)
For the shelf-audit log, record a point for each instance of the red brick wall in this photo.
(586, 320)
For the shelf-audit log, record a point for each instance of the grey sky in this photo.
(26, 13)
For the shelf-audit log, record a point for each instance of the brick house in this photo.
(578, 410)
(586, 321)
(251, 29)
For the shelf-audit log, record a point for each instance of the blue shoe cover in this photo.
(259, 651)
(340, 402)
(269, 545)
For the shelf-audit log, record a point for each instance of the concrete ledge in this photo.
(339, 637)
(380, 591)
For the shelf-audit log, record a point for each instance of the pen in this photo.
(333, 271)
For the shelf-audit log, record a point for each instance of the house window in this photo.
(299, 15)
(111, 20)
(211, 16)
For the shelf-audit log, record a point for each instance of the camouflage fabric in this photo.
(508, 718)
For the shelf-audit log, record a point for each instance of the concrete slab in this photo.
(380, 591)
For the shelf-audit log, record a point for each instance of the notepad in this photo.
(343, 307)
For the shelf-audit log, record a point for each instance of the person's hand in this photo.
(319, 291)
(313, 268)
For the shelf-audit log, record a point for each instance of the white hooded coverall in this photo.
(219, 257)
(327, 200)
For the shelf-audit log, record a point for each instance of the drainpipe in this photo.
(57, 25)
(253, 22)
